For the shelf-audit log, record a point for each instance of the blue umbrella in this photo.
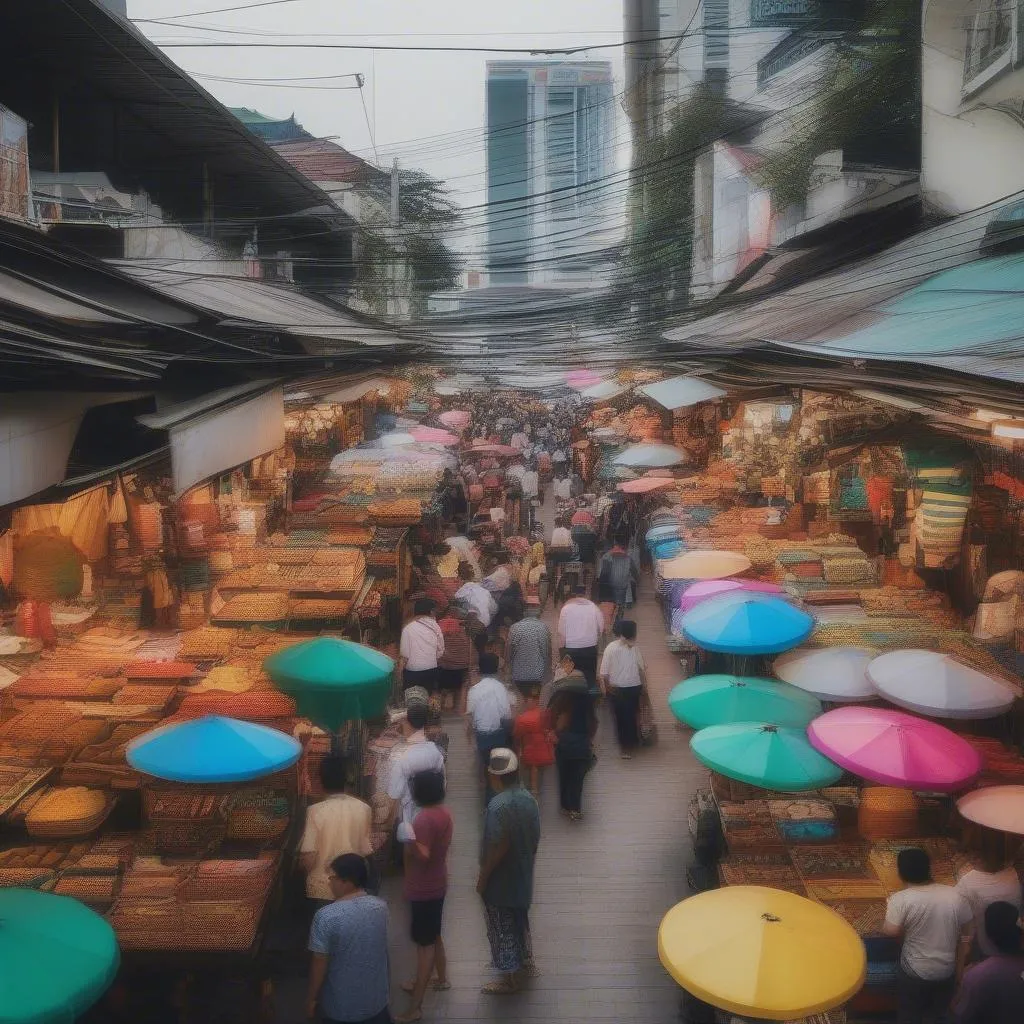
(213, 749)
(747, 623)
(667, 547)
(669, 531)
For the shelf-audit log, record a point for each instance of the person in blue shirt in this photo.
(350, 978)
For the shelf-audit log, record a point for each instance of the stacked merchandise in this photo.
(945, 486)
(67, 811)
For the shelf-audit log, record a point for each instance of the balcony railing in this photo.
(993, 43)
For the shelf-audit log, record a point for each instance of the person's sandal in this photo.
(500, 988)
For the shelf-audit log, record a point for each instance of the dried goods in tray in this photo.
(209, 643)
(68, 811)
(245, 608)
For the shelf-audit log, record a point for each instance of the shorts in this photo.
(425, 921)
(450, 680)
(427, 678)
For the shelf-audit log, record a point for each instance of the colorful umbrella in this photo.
(697, 592)
(681, 392)
(57, 957)
(503, 451)
(212, 749)
(743, 623)
(834, 674)
(996, 807)
(895, 749)
(457, 419)
(333, 681)
(704, 701)
(936, 684)
(762, 952)
(705, 565)
(646, 485)
(667, 547)
(580, 379)
(667, 531)
(431, 435)
(648, 456)
(770, 756)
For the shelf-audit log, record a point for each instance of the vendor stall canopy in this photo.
(1000, 808)
(834, 674)
(704, 565)
(703, 701)
(650, 456)
(694, 594)
(747, 623)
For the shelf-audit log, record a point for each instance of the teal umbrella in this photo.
(769, 756)
(723, 699)
(57, 957)
(333, 681)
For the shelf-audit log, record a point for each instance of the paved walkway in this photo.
(602, 884)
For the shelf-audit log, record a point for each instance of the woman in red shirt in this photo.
(426, 884)
(533, 737)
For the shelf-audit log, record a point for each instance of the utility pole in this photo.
(396, 248)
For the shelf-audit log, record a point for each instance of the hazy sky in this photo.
(425, 108)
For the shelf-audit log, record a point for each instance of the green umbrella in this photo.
(769, 756)
(333, 681)
(57, 957)
(723, 699)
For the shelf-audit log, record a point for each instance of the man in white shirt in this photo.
(931, 920)
(417, 755)
(480, 600)
(488, 711)
(992, 881)
(421, 644)
(530, 483)
(580, 625)
(338, 824)
(623, 678)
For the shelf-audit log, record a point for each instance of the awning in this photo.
(244, 303)
(680, 392)
(353, 392)
(221, 431)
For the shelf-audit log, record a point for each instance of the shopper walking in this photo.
(350, 978)
(572, 713)
(479, 599)
(528, 651)
(338, 824)
(426, 884)
(458, 658)
(616, 576)
(508, 854)
(931, 921)
(624, 682)
(488, 712)
(534, 739)
(420, 647)
(991, 880)
(992, 992)
(417, 754)
(580, 625)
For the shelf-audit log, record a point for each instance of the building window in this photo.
(716, 33)
(993, 43)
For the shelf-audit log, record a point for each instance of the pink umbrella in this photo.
(646, 486)
(697, 592)
(582, 379)
(431, 435)
(895, 749)
(457, 419)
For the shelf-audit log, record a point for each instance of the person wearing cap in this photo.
(488, 711)
(508, 854)
(421, 644)
(992, 992)
(528, 650)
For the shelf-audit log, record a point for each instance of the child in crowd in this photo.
(533, 737)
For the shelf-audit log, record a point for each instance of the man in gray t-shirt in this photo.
(350, 976)
(528, 650)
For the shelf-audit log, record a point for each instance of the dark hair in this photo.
(350, 867)
(333, 773)
(580, 590)
(1001, 926)
(427, 788)
(914, 865)
(465, 571)
(423, 606)
(488, 663)
(441, 550)
(627, 629)
(417, 715)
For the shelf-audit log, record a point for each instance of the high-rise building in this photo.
(550, 164)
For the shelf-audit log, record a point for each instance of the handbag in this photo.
(646, 727)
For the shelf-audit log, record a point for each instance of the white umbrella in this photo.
(396, 440)
(936, 684)
(650, 456)
(680, 392)
(834, 674)
(602, 392)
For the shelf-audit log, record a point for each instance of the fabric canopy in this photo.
(212, 749)
(704, 565)
(996, 807)
(769, 756)
(762, 952)
(936, 684)
(835, 674)
(57, 957)
(680, 392)
(895, 749)
(333, 681)
(603, 391)
(650, 456)
(724, 699)
(745, 623)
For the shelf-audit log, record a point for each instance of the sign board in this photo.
(15, 197)
(797, 13)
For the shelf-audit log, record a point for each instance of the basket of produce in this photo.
(258, 816)
(66, 811)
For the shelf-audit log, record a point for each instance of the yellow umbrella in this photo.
(762, 952)
(704, 565)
